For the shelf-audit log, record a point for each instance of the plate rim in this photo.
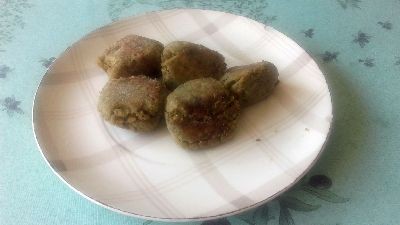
(177, 219)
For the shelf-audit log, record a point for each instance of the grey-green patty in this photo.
(183, 61)
(201, 113)
(251, 83)
(132, 55)
(135, 103)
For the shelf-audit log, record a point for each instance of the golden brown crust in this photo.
(132, 55)
(135, 103)
(201, 113)
(183, 61)
(251, 83)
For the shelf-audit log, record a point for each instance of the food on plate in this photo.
(251, 83)
(132, 55)
(201, 113)
(183, 61)
(135, 103)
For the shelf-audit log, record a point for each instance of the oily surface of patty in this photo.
(183, 61)
(201, 113)
(135, 103)
(132, 55)
(251, 83)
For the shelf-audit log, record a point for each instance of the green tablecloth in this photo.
(355, 42)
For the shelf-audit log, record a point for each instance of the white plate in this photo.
(148, 175)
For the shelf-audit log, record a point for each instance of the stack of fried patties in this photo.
(185, 83)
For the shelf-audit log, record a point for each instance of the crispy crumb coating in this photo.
(251, 83)
(132, 55)
(183, 61)
(135, 103)
(201, 113)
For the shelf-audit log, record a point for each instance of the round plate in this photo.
(149, 175)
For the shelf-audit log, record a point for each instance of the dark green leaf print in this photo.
(222, 221)
(262, 214)
(47, 62)
(386, 25)
(285, 218)
(325, 195)
(361, 38)
(254, 9)
(247, 221)
(115, 7)
(329, 56)
(296, 204)
(368, 62)
(308, 33)
(320, 181)
(269, 19)
(4, 70)
(397, 62)
(11, 18)
(349, 3)
(11, 106)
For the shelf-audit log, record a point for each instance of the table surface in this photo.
(355, 42)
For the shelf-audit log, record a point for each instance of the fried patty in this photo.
(135, 103)
(183, 61)
(132, 55)
(201, 113)
(251, 83)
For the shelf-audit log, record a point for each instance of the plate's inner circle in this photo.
(148, 175)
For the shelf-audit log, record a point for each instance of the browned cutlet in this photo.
(201, 113)
(251, 83)
(132, 55)
(135, 103)
(183, 61)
